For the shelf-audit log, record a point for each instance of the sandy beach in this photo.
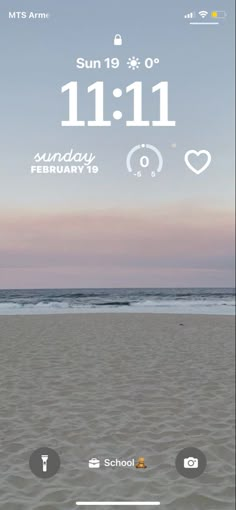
(117, 386)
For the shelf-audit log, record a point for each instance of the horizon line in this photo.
(114, 288)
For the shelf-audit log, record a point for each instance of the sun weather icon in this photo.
(133, 63)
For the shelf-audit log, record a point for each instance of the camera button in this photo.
(190, 462)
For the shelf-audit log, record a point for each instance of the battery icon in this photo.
(218, 14)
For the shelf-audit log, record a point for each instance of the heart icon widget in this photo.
(191, 153)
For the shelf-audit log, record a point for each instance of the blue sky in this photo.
(39, 58)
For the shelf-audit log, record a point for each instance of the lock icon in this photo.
(117, 40)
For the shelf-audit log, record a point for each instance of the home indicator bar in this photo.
(118, 503)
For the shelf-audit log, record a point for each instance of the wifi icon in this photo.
(203, 14)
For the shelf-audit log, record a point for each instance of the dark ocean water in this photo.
(43, 301)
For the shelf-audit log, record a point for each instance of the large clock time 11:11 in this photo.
(98, 88)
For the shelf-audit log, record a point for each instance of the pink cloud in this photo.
(178, 246)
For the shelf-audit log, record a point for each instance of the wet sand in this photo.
(116, 385)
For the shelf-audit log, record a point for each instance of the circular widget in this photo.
(144, 159)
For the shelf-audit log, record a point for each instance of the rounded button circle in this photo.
(44, 462)
(190, 462)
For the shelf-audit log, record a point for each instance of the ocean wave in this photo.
(138, 307)
(113, 303)
(40, 301)
(193, 303)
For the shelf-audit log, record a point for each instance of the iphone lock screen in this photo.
(117, 257)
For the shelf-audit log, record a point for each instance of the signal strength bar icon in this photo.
(203, 14)
(190, 15)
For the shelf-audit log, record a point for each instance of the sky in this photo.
(112, 229)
